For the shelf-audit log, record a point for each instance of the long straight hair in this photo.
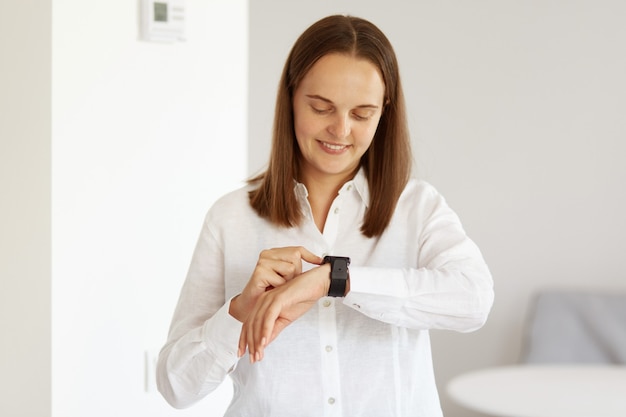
(387, 162)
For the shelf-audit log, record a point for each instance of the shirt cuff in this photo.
(221, 336)
(367, 280)
(377, 298)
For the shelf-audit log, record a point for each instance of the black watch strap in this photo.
(338, 275)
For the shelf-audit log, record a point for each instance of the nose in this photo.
(340, 126)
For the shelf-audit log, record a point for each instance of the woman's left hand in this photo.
(279, 307)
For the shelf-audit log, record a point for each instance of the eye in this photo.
(320, 110)
(361, 116)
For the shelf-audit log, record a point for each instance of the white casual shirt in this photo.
(366, 354)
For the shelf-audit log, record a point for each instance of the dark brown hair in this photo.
(387, 162)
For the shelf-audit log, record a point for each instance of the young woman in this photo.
(315, 286)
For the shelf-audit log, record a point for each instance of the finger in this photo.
(279, 326)
(309, 256)
(267, 330)
(292, 254)
(242, 345)
(255, 343)
(298, 254)
(277, 269)
(263, 324)
(245, 338)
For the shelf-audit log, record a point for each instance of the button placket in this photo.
(329, 358)
(331, 227)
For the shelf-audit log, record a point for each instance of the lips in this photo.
(333, 147)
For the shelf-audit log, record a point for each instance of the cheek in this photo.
(366, 135)
(305, 128)
(303, 133)
(300, 131)
(298, 126)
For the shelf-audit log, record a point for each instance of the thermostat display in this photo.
(163, 20)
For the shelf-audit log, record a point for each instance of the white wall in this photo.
(145, 137)
(517, 113)
(25, 208)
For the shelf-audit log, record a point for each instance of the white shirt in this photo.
(367, 354)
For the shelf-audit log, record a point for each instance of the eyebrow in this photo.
(324, 99)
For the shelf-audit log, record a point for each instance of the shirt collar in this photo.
(358, 183)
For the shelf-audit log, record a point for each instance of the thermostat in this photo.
(163, 20)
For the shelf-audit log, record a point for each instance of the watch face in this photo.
(338, 275)
(340, 266)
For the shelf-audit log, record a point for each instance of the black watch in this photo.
(338, 275)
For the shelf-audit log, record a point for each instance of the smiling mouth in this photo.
(333, 147)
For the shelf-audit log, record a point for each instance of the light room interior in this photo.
(112, 148)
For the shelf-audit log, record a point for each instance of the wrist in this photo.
(325, 278)
(236, 310)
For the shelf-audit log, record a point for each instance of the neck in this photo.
(322, 190)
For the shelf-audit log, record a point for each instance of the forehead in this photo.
(341, 77)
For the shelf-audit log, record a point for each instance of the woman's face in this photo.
(336, 109)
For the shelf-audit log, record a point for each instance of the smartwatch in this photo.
(338, 275)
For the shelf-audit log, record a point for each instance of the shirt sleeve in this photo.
(201, 349)
(451, 288)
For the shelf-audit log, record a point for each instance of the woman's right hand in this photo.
(274, 268)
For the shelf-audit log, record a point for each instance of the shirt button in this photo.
(331, 401)
(349, 187)
(336, 210)
(326, 303)
(329, 348)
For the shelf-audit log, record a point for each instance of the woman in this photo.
(299, 333)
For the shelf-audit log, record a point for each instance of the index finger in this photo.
(293, 255)
(308, 256)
